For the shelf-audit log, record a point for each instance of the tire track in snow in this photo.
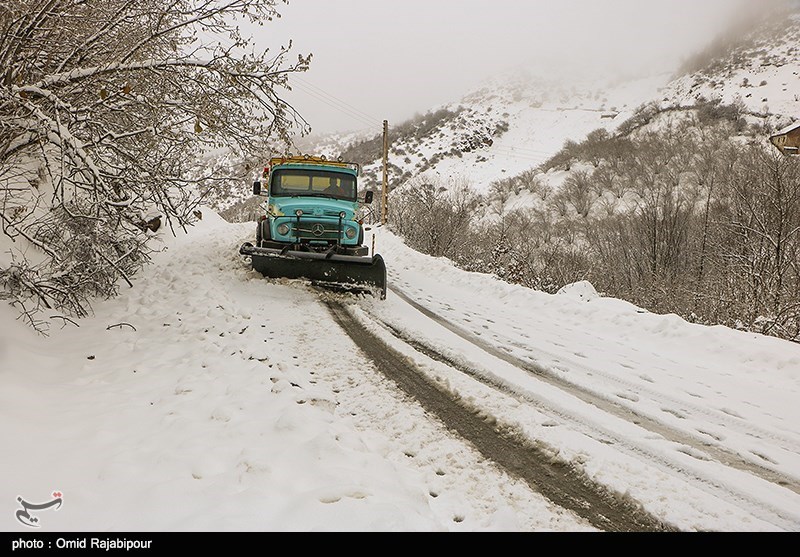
(764, 510)
(559, 481)
(717, 452)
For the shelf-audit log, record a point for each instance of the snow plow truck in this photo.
(309, 227)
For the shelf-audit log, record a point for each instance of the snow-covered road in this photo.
(209, 398)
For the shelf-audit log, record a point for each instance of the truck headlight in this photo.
(350, 233)
(283, 229)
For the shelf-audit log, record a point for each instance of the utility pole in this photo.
(385, 196)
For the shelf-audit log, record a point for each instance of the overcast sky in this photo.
(376, 60)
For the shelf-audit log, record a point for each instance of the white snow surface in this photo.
(207, 397)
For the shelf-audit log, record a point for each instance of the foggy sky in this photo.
(376, 60)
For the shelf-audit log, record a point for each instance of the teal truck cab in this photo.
(310, 225)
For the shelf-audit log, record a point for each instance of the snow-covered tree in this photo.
(104, 109)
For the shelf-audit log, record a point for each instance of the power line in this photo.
(336, 100)
(352, 114)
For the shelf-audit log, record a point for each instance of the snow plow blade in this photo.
(341, 272)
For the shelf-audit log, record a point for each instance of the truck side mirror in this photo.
(368, 197)
(256, 188)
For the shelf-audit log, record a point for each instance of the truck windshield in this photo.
(289, 182)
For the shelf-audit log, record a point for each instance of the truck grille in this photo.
(315, 231)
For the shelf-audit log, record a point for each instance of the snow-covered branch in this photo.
(105, 109)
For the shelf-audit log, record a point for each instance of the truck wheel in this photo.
(360, 235)
(258, 235)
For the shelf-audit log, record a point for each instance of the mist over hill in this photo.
(520, 119)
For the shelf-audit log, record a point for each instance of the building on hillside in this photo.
(787, 140)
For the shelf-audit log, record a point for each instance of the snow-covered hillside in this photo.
(512, 124)
(516, 122)
(760, 70)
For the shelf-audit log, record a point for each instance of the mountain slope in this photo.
(509, 125)
(517, 122)
(759, 69)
